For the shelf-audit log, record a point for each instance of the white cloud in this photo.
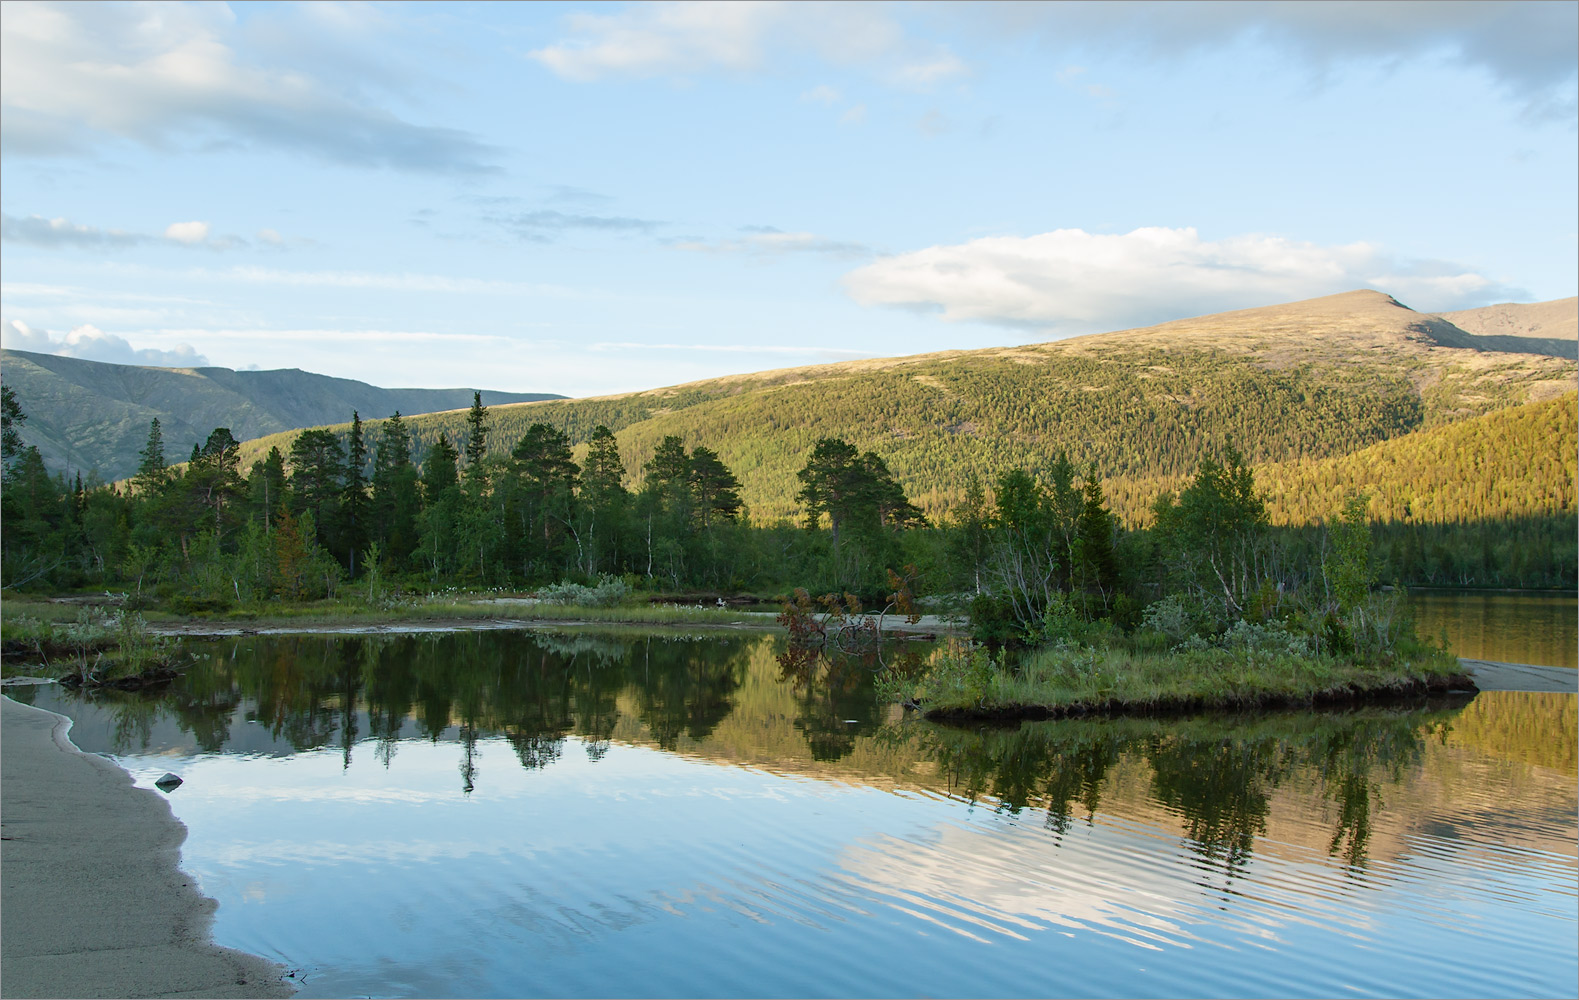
(407, 282)
(92, 344)
(683, 39)
(768, 241)
(822, 94)
(854, 116)
(159, 74)
(35, 230)
(271, 236)
(1070, 281)
(187, 232)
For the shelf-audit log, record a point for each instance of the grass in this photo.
(94, 638)
(97, 646)
(966, 681)
(446, 606)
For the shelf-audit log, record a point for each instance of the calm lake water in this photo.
(554, 813)
(1513, 628)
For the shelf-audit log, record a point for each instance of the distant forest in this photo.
(1488, 501)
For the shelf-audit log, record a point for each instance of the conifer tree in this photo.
(476, 437)
(397, 495)
(353, 498)
(150, 462)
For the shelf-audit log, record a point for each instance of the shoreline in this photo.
(95, 901)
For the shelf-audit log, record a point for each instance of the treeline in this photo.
(374, 507)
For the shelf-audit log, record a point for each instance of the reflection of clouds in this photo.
(1008, 880)
(310, 852)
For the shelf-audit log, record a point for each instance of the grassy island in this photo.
(967, 681)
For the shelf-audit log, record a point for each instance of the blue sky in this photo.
(591, 198)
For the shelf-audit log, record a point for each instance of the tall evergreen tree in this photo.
(438, 469)
(476, 437)
(715, 491)
(353, 498)
(1095, 560)
(317, 481)
(397, 496)
(266, 488)
(542, 497)
(151, 474)
(603, 500)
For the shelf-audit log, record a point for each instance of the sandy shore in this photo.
(92, 900)
(1490, 676)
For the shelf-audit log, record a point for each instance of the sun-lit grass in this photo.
(965, 679)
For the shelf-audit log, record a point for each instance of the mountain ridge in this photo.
(93, 416)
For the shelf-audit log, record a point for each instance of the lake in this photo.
(1496, 625)
(568, 813)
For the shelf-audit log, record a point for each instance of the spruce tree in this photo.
(353, 497)
(476, 437)
(150, 465)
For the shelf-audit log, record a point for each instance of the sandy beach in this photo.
(92, 899)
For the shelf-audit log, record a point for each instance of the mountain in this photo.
(1537, 328)
(89, 416)
(1306, 381)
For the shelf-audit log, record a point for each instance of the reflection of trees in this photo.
(688, 687)
(1221, 788)
(834, 693)
(1217, 774)
(532, 689)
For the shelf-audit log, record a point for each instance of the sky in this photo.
(592, 198)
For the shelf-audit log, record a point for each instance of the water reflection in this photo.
(629, 814)
(1218, 774)
(803, 712)
(1510, 627)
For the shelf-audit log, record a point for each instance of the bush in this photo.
(609, 592)
(1175, 618)
(992, 620)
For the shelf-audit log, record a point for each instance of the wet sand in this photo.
(92, 899)
(1491, 676)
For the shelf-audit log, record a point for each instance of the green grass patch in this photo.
(966, 680)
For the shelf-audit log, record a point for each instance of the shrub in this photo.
(609, 592)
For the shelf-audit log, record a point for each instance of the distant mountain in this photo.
(1302, 382)
(87, 416)
(1534, 328)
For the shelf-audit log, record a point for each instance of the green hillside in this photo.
(87, 416)
(1301, 383)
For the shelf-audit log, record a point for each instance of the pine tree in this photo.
(714, 489)
(151, 472)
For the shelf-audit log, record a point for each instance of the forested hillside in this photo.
(1298, 383)
(1087, 467)
(87, 416)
